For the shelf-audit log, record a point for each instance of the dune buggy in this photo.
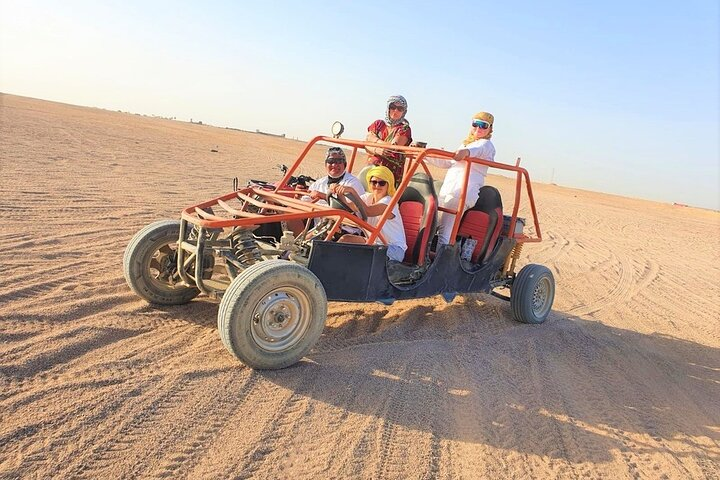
(274, 284)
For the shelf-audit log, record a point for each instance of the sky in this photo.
(621, 97)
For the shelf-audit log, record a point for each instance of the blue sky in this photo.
(618, 97)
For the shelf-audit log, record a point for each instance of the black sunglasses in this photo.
(334, 161)
(379, 183)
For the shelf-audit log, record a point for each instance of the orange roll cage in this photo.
(286, 204)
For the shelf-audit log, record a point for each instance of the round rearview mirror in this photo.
(337, 129)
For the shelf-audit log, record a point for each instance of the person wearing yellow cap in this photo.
(382, 187)
(477, 144)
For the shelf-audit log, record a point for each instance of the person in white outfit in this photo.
(335, 164)
(476, 145)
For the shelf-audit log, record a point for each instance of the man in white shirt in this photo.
(335, 164)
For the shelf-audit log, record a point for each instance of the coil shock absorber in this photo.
(245, 248)
(512, 258)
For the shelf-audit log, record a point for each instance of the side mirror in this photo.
(337, 129)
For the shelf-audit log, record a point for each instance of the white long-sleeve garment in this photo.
(449, 195)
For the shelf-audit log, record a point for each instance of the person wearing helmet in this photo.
(394, 130)
(476, 145)
(335, 165)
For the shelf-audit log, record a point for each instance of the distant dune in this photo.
(622, 381)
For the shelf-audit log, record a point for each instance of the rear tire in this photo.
(532, 294)
(272, 314)
(150, 265)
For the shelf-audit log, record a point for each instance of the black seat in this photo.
(418, 209)
(483, 222)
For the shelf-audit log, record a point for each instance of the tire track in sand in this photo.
(277, 433)
(175, 425)
(625, 288)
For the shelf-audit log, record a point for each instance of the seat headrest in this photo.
(362, 174)
(419, 189)
(423, 183)
(488, 199)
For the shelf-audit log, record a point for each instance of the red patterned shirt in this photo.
(393, 160)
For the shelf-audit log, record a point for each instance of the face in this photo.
(335, 167)
(396, 111)
(378, 186)
(480, 128)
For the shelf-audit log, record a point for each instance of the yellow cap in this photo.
(383, 173)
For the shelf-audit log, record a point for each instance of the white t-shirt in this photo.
(321, 185)
(393, 230)
(349, 180)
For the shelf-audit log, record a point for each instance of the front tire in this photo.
(272, 314)
(532, 294)
(150, 265)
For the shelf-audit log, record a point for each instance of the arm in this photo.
(480, 149)
(402, 136)
(373, 137)
(402, 140)
(377, 209)
(342, 189)
(439, 162)
(374, 210)
(314, 192)
(315, 195)
(461, 154)
(351, 195)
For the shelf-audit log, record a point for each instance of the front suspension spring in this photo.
(245, 247)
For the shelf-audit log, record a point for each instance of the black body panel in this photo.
(358, 273)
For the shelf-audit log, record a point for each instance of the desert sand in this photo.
(621, 381)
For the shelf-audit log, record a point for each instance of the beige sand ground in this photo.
(622, 381)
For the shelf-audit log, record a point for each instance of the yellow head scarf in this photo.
(488, 117)
(383, 173)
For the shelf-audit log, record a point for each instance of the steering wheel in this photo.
(336, 201)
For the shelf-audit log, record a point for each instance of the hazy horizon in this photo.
(617, 98)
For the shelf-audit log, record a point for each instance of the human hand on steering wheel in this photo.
(336, 198)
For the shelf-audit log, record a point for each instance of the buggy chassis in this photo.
(275, 285)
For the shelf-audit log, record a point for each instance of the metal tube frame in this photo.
(286, 204)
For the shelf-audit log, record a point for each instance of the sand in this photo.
(621, 381)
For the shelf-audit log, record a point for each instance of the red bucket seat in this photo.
(483, 222)
(418, 209)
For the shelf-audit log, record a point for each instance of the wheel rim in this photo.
(280, 319)
(162, 267)
(541, 297)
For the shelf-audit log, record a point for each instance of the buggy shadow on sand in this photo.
(274, 285)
